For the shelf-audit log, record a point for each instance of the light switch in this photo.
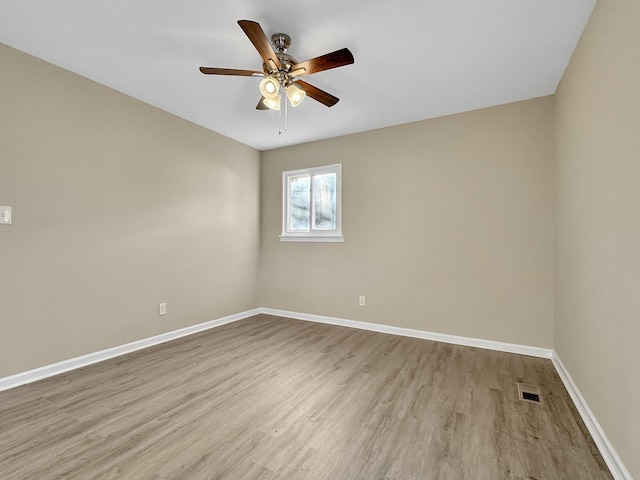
(5, 215)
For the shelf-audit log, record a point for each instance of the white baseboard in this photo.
(95, 357)
(99, 356)
(608, 452)
(407, 332)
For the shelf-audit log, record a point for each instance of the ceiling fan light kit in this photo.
(281, 70)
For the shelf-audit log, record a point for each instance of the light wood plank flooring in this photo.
(275, 398)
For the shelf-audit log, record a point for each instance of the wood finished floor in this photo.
(274, 398)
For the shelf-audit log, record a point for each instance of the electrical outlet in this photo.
(361, 300)
(162, 309)
(5, 215)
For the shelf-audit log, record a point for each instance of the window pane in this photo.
(324, 188)
(299, 204)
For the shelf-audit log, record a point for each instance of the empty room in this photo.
(355, 240)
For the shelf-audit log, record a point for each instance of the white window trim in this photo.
(334, 235)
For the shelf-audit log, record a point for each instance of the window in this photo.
(311, 205)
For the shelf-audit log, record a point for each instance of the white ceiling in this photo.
(414, 59)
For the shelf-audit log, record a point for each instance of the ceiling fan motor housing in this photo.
(281, 42)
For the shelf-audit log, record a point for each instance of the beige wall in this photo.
(598, 216)
(448, 227)
(117, 207)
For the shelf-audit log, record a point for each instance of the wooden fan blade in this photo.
(254, 31)
(317, 94)
(261, 105)
(331, 60)
(230, 71)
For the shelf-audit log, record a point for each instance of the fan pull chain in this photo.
(283, 118)
(286, 112)
(280, 114)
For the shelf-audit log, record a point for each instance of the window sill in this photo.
(311, 238)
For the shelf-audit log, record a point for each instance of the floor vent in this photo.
(529, 393)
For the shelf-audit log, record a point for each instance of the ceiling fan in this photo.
(281, 71)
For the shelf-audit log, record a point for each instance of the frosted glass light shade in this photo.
(272, 103)
(295, 94)
(269, 87)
